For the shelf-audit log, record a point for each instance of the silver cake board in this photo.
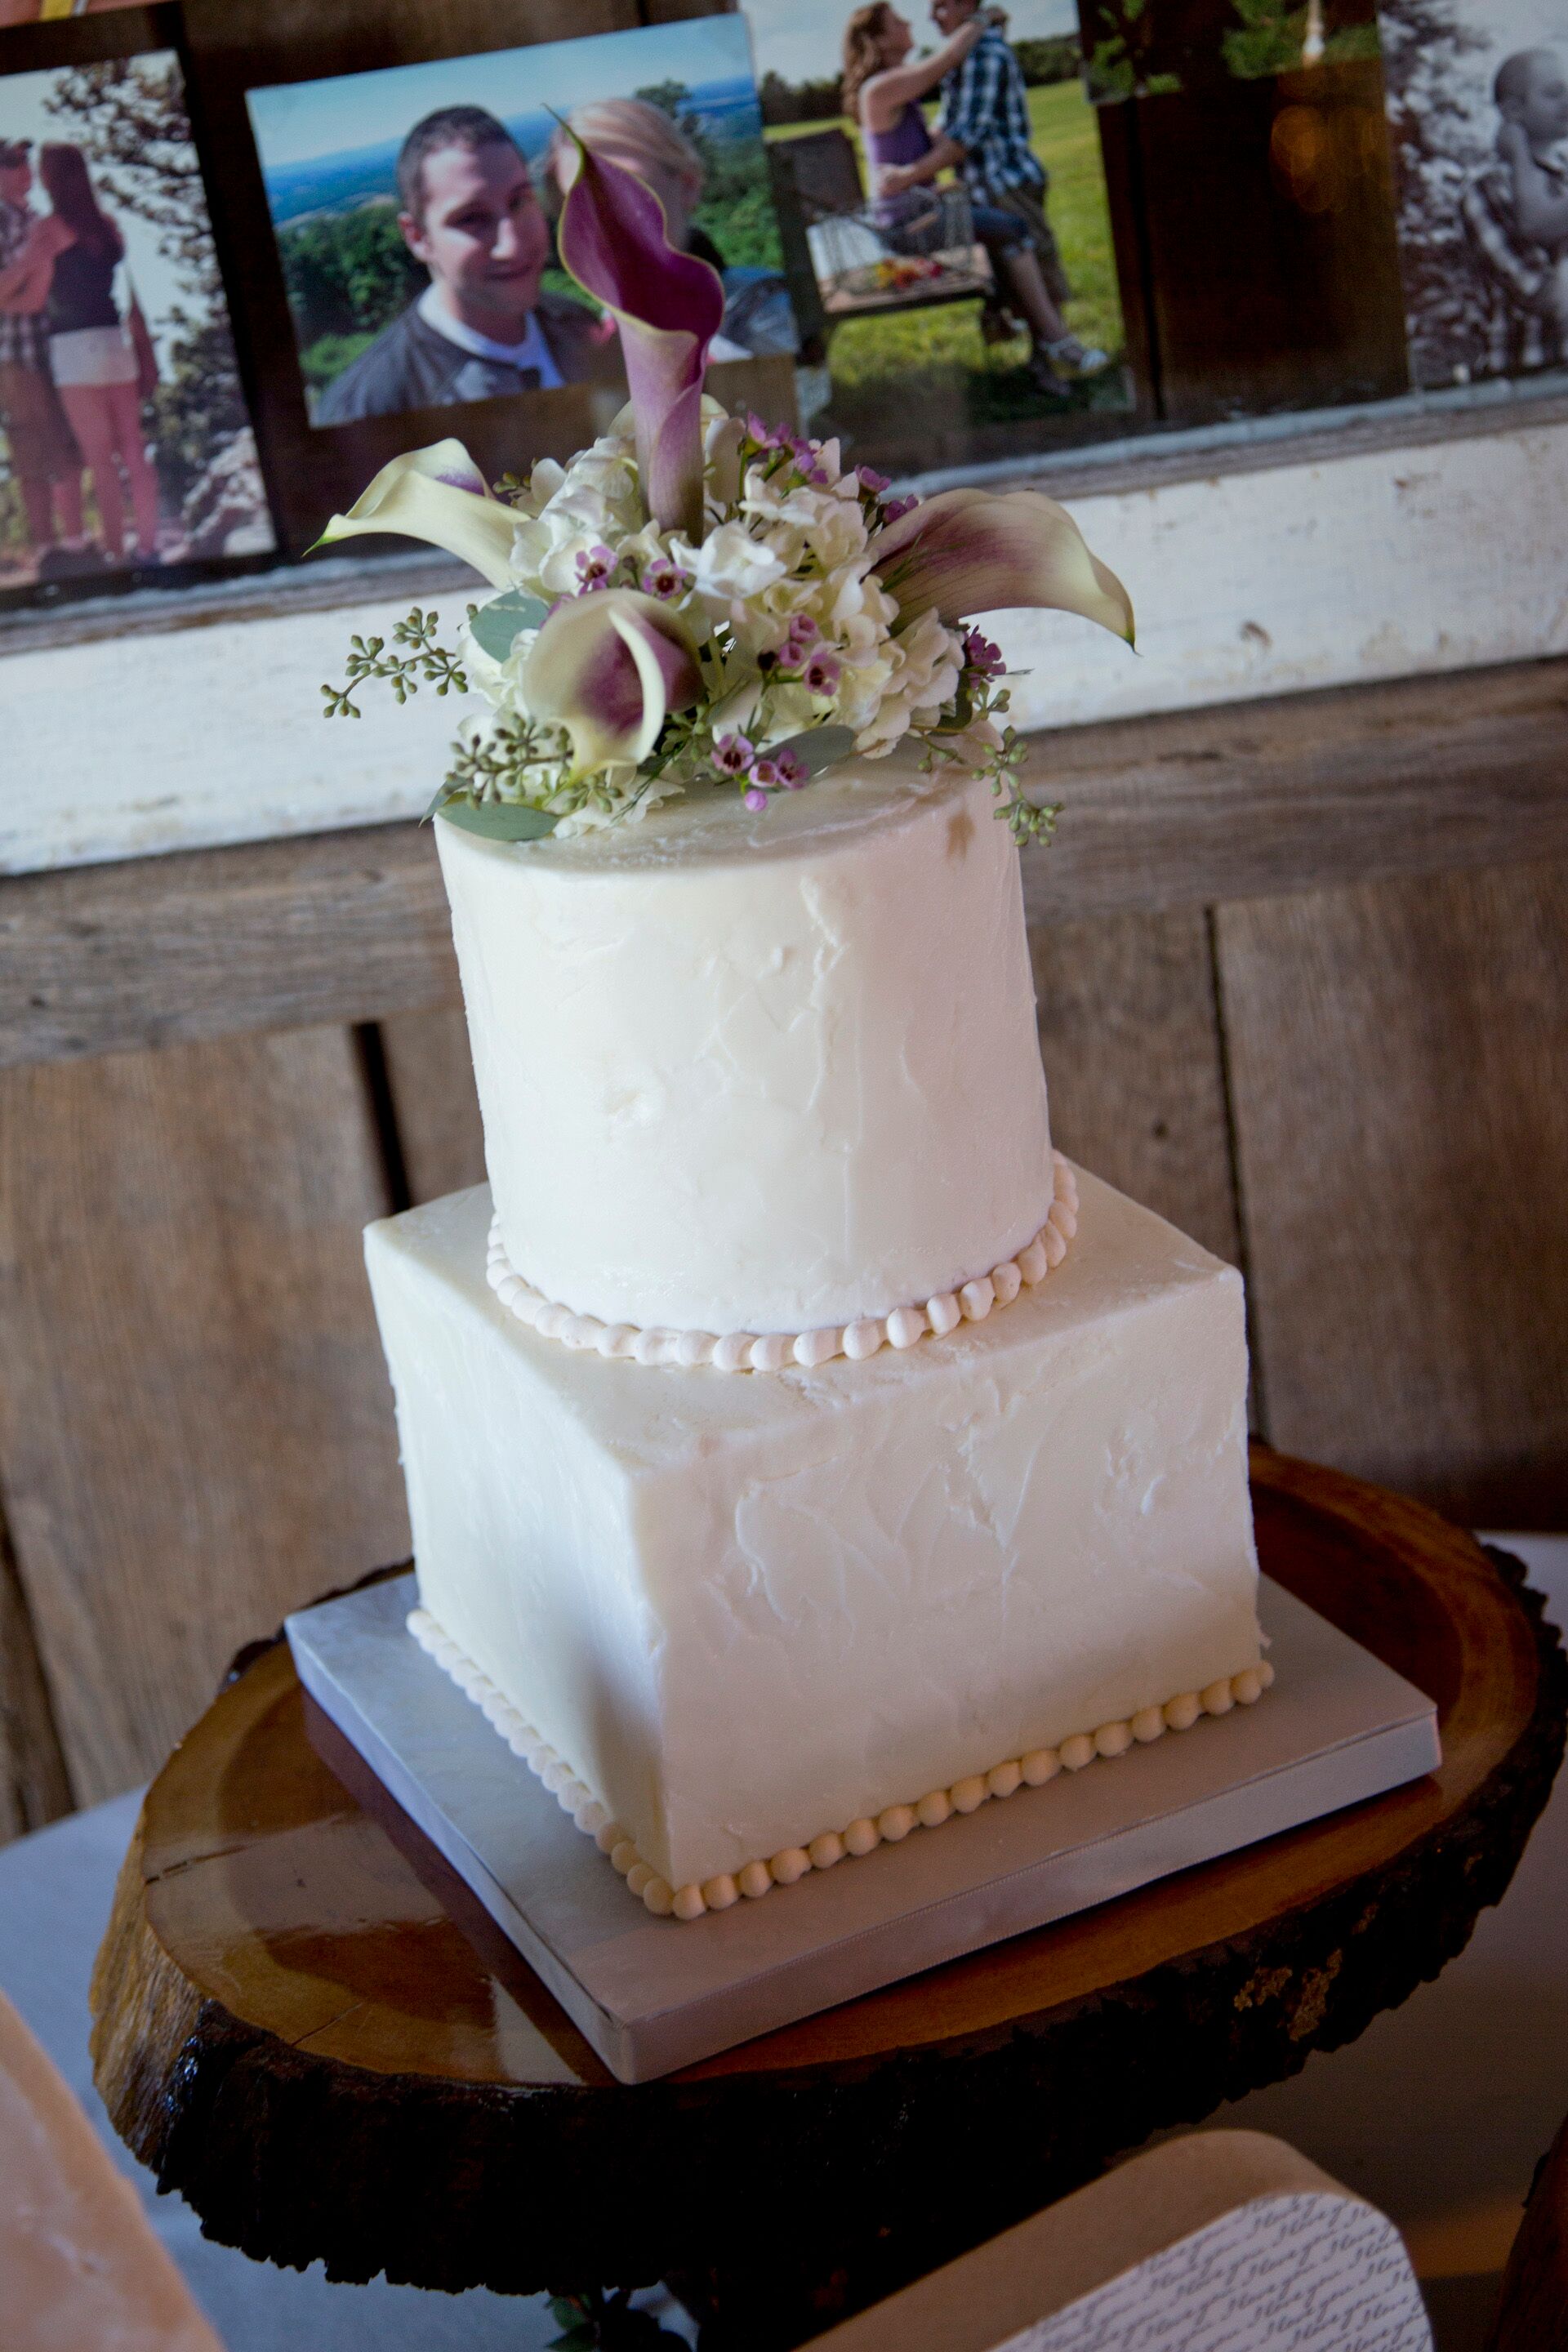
(651, 1994)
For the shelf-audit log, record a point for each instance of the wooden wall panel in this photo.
(34, 1785)
(1130, 1042)
(430, 1077)
(1397, 1057)
(196, 1425)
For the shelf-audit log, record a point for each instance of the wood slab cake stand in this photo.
(306, 2025)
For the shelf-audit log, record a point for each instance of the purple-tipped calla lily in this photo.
(667, 306)
(609, 667)
(439, 495)
(969, 551)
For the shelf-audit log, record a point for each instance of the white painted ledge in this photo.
(1297, 554)
(1341, 572)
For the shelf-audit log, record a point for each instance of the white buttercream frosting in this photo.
(792, 1863)
(749, 1613)
(742, 1352)
(770, 1074)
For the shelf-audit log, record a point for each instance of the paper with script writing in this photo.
(1307, 2272)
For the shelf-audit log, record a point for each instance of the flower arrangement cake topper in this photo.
(700, 600)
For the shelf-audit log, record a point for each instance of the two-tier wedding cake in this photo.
(799, 1451)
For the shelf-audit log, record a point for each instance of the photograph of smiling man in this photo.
(482, 327)
(414, 223)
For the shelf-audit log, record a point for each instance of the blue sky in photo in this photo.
(306, 122)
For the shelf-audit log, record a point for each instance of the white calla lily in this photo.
(440, 496)
(609, 669)
(969, 551)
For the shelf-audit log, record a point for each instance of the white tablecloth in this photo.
(1437, 2114)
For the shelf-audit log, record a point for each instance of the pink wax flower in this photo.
(594, 565)
(733, 755)
(789, 769)
(821, 674)
(666, 579)
(892, 508)
(804, 633)
(766, 773)
(755, 799)
(870, 479)
(980, 654)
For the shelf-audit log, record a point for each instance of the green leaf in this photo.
(500, 820)
(817, 747)
(495, 625)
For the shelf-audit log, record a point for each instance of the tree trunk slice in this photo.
(1532, 2304)
(317, 2037)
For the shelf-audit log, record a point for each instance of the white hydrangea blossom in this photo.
(781, 552)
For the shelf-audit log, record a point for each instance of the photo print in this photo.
(943, 208)
(126, 450)
(1478, 114)
(413, 211)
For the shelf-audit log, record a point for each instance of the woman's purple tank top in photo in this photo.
(906, 142)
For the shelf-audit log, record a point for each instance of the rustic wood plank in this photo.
(1129, 1038)
(1304, 790)
(34, 1785)
(196, 1426)
(1396, 1056)
(333, 928)
(1256, 798)
(430, 1075)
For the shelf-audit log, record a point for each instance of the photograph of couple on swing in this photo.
(946, 172)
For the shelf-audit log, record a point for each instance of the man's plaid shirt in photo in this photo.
(24, 337)
(985, 108)
(1515, 270)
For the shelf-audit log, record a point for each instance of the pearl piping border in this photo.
(861, 1837)
(744, 1351)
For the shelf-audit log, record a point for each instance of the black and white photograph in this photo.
(1477, 113)
(125, 441)
(414, 208)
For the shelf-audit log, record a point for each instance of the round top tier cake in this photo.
(758, 1073)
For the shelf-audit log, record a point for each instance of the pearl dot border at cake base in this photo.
(773, 1352)
(888, 1827)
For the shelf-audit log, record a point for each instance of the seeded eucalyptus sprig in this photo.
(1026, 820)
(980, 696)
(368, 658)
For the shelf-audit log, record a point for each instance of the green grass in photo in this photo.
(884, 368)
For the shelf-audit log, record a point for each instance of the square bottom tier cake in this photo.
(751, 1613)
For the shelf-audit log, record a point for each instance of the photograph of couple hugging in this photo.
(125, 437)
(984, 134)
(75, 369)
(949, 181)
